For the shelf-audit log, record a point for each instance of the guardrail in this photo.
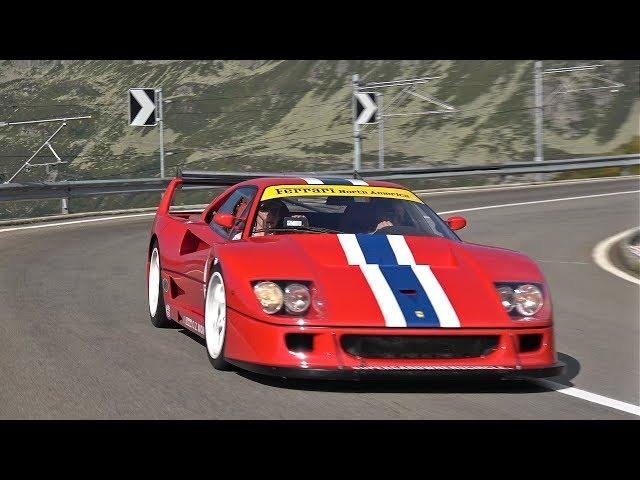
(92, 188)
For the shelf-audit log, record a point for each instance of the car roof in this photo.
(264, 182)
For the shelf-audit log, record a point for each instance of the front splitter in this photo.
(399, 372)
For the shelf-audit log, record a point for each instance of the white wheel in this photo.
(157, 308)
(215, 316)
(154, 282)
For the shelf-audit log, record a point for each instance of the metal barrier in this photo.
(92, 188)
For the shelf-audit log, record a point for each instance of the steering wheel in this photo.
(384, 230)
(399, 230)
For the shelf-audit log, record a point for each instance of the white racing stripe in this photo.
(357, 181)
(588, 396)
(600, 255)
(486, 207)
(317, 181)
(351, 249)
(387, 302)
(401, 250)
(312, 181)
(379, 286)
(444, 310)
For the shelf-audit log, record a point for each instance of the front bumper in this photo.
(261, 348)
(391, 372)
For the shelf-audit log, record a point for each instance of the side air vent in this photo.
(175, 290)
(191, 243)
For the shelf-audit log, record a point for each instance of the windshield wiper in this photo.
(299, 229)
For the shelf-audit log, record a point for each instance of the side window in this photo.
(237, 205)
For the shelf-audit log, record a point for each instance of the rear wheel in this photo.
(157, 309)
(215, 319)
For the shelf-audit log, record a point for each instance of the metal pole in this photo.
(356, 127)
(161, 122)
(539, 112)
(64, 205)
(380, 133)
(36, 153)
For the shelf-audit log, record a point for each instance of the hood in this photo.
(379, 280)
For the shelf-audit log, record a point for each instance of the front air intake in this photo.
(299, 342)
(419, 346)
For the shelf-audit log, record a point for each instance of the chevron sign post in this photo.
(366, 108)
(145, 110)
(142, 107)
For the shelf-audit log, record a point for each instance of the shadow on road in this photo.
(411, 385)
(570, 372)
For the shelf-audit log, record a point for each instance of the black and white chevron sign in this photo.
(366, 108)
(142, 107)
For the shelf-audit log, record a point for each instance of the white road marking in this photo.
(521, 185)
(575, 392)
(600, 255)
(562, 261)
(588, 396)
(72, 222)
(486, 207)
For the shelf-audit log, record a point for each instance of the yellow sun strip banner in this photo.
(279, 191)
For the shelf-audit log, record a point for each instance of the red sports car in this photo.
(342, 278)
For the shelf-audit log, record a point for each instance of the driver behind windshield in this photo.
(269, 215)
(391, 213)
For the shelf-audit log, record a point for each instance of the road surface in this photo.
(76, 341)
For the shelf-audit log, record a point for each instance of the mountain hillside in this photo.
(296, 115)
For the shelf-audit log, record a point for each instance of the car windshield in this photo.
(347, 214)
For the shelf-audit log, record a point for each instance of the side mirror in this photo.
(456, 223)
(225, 220)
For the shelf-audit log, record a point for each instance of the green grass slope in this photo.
(296, 115)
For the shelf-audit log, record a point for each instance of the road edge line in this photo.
(600, 255)
(588, 396)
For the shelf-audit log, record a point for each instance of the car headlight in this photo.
(269, 295)
(520, 298)
(506, 297)
(528, 299)
(296, 298)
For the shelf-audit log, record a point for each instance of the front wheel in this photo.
(215, 319)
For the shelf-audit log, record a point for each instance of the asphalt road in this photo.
(76, 341)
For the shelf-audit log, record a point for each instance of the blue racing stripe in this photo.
(416, 307)
(376, 249)
(335, 181)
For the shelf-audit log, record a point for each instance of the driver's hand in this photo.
(383, 224)
(261, 223)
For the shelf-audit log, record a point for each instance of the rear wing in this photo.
(193, 179)
(202, 179)
(218, 179)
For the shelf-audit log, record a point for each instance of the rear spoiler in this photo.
(218, 179)
(203, 179)
(225, 179)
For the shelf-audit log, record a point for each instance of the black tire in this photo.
(159, 319)
(219, 362)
